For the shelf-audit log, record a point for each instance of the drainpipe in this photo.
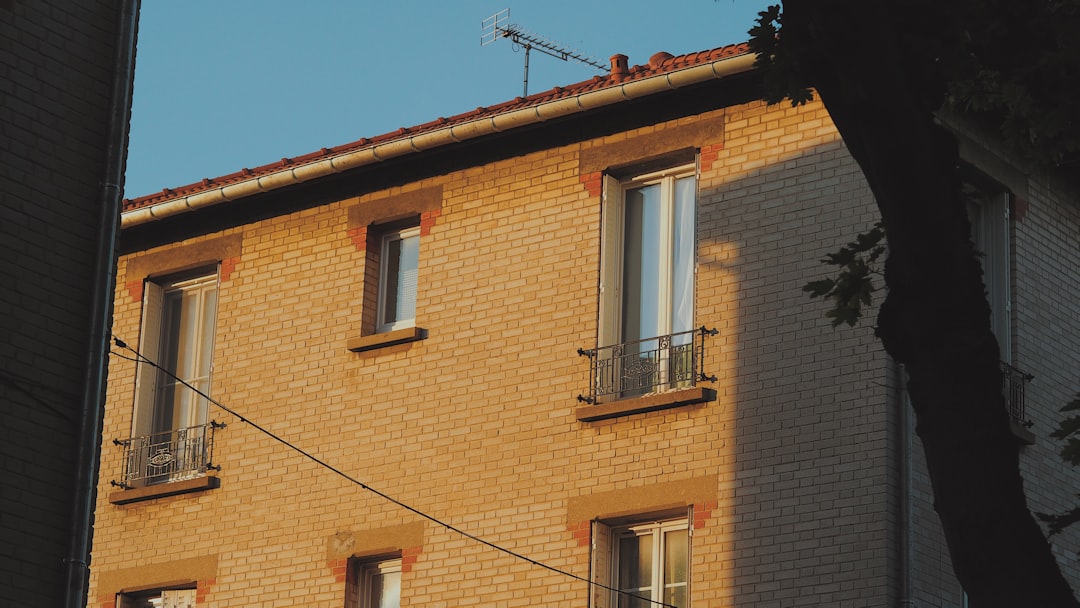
(904, 454)
(77, 561)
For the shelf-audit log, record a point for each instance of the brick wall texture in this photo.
(56, 70)
(1046, 315)
(475, 424)
(1045, 328)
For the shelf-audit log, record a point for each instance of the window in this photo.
(170, 422)
(399, 257)
(166, 598)
(988, 212)
(373, 584)
(647, 282)
(652, 561)
(988, 209)
(391, 271)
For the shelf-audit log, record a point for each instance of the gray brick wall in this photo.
(1046, 313)
(810, 426)
(1045, 325)
(56, 66)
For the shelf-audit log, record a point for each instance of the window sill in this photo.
(161, 490)
(390, 338)
(648, 403)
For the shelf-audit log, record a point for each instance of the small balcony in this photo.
(171, 456)
(646, 370)
(1013, 385)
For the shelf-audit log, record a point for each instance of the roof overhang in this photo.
(441, 137)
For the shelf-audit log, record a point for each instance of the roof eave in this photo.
(449, 135)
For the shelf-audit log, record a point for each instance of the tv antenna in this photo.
(497, 26)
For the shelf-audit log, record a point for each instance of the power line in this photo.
(140, 358)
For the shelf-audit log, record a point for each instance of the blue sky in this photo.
(225, 84)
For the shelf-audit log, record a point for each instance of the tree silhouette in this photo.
(887, 70)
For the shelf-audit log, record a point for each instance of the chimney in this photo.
(619, 69)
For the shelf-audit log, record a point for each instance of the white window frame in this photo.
(363, 576)
(148, 377)
(657, 585)
(382, 325)
(613, 242)
(157, 418)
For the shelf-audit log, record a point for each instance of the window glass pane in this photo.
(190, 333)
(635, 563)
(381, 585)
(676, 555)
(393, 279)
(676, 566)
(168, 358)
(206, 337)
(682, 279)
(675, 596)
(402, 261)
(187, 341)
(389, 591)
(626, 601)
(410, 259)
(641, 264)
(187, 367)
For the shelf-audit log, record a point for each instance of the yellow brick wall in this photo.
(475, 424)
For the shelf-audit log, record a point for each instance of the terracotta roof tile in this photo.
(659, 63)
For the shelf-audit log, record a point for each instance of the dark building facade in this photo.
(66, 70)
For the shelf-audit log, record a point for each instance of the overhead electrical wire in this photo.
(140, 358)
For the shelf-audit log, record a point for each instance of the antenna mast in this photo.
(495, 27)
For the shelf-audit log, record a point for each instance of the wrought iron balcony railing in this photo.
(1013, 383)
(647, 366)
(169, 456)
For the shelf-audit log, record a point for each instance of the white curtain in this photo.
(683, 242)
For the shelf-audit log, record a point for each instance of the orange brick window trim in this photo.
(339, 568)
(427, 221)
(202, 590)
(708, 155)
(228, 265)
(703, 513)
(409, 557)
(135, 290)
(594, 182)
(581, 532)
(358, 236)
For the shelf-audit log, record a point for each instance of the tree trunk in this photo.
(935, 319)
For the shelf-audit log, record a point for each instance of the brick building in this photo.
(65, 90)
(570, 325)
